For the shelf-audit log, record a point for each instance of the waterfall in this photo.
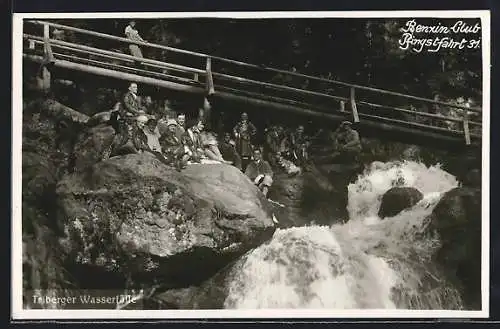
(365, 263)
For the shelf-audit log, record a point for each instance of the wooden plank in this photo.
(417, 113)
(93, 50)
(124, 68)
(210, 79)
(275, 86)
(409, 123)
(115, 38)
(354, 108)
(119, 75)
(337, 116)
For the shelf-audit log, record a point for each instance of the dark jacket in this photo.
(193, 143)
(131, 104)
(139, 139)
(255, 169)
(171, 144)
(244, 134)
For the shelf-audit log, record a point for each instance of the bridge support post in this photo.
(44, 75)
(466, 127)
(354, 107)
(210, 79)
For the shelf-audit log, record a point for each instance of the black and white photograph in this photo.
(265, 165)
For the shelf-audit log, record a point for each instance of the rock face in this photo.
(307, 197)
(457, 220)
(134, 216)
(45, 157)
(91, 144)
(397, 199)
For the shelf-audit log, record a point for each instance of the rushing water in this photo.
(364, 263)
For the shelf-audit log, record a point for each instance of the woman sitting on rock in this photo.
(191, 141)
(172, 146)
(152, 135)
(139, 138)
(211, 148)
(145, 138)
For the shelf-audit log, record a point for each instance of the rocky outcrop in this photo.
(45, 158)
(398, 199)
(457, 221)
(91, 144)
(136, 217)
(306, 198)
(99, 118)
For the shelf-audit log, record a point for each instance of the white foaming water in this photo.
(364, 263)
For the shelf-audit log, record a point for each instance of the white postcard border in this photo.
(18, 313)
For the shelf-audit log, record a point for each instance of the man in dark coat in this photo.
(346, 143)
(131, 103)
(244, 131)
(228, 151)
(260, 172)
(299, 144)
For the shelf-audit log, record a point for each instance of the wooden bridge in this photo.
(374, 111)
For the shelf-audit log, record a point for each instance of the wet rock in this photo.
(99, 118)
(457, 221)
(91, 144)
(45, 158)
(135, 216)
(306, 198)
(398, 199)
(473, 178)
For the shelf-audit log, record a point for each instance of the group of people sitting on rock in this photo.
(179, 143)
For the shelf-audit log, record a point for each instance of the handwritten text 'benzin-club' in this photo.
(433, 38)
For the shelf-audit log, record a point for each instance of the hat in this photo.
(142, 118)
(346, 123)
(171, 122)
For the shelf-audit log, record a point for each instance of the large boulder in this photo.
(397, 199)
(457, 221)
(134, 216)
(91, 145)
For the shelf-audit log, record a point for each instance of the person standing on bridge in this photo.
(133, 34)
(243, 132)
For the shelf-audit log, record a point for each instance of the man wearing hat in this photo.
(152, 135)
(244, 132)
(260, 172)
(172, 146)
(228, 151)
(139, 138)
(346, 143)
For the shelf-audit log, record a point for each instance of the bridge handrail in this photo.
(345, 84)
(115, 55)
(111, 54)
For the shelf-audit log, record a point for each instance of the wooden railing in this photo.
(211, 75)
